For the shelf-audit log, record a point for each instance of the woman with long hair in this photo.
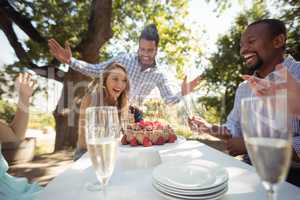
(110, 89)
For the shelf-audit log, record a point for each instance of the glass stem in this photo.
(271, 191)
(104, 191)
(272, 194)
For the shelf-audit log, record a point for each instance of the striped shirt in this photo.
(141, 82)
(233, 122)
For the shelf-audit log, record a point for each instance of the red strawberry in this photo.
(140, 137)
(172, 138)
(159, 127)
(124, 140)
(160, 140)
(156, 123)
(133, 142)
(147, 142)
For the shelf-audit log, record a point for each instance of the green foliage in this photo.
(157, 110)
(213, 114)
(154, 108)
(67, 21)
(43, 147)
(7, 111)
(176, 38)
(7, 76)
(223, 77)
(183, 131)
(38, 120)
(63, 20)
(289, 12)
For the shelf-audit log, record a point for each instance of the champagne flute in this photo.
(267, 132)
(191, 109)
(102, 131)
(124, 121)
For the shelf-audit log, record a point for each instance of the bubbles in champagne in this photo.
(103, 155)
(271, 157)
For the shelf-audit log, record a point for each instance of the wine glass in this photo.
(124, 122)
(102, 131)
(191, 109)
(266, 127)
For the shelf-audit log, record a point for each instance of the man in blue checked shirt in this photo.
(262, 47)
(141, 66)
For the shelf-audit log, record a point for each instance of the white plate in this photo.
(194, 175)
(182, 197)
(165, 146)
(189, 192)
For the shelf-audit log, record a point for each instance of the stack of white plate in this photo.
(197, 179)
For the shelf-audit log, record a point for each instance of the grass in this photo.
(183, 131)
(44, 147)
(38, 120)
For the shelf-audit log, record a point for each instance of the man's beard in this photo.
(146, 65)
(257, 66)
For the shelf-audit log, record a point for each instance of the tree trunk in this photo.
(99, 31)
(66, 113)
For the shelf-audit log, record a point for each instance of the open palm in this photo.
(25, 85)
(188, 87)
(64, 55)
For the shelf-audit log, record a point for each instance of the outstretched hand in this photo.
(263, 87)
(198, 124)
(201, 126)
(64, 55)
(187, 88)
(25, 85)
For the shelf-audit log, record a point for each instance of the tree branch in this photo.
(23, 22)
(7, 27)
(99, 30)
(49, 72)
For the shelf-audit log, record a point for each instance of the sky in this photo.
(202, 16)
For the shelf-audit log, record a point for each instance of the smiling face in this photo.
(147, 52)
(256, 46)
(116, 83)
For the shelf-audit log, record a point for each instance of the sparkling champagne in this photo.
(271, 157)
(103, 155)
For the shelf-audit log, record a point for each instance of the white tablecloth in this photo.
(131, 184)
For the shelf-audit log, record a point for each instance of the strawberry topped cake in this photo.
(148, 133)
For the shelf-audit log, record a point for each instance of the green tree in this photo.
(7, 76)
(223, 76)
(289, 12)
(87, 26)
